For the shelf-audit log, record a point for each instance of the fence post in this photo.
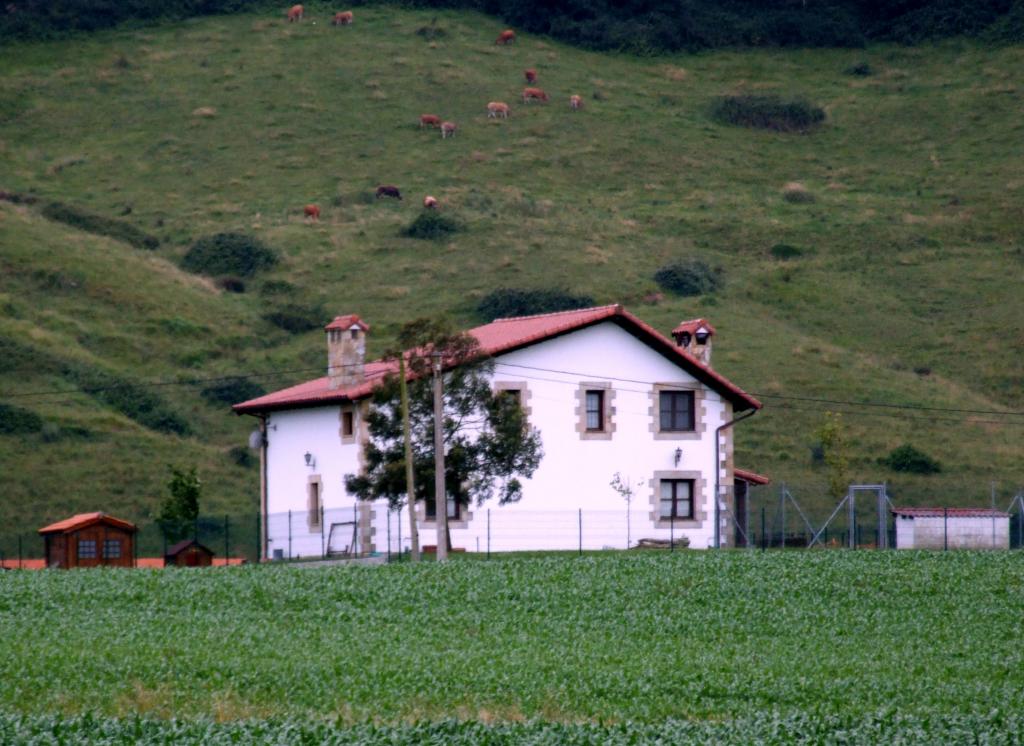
(289, 534)
(672, 531)
(945, 532)
(355, 524)
(488, 533)
(764, 536)
(399, 514)
(323, 548)
(581, 531)
(389, 532)
(1020, 526)
(782, 506)
(227, 541)
(259, 537)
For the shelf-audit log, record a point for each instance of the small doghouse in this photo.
(89, 540)
(188, 553)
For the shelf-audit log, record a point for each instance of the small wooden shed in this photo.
(188, 553)
(89, 540)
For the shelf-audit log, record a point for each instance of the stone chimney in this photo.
(694, 336)
(346, 351)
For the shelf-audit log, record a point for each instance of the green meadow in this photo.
(905, 289)
(809, 647)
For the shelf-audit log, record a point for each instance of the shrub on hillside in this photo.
(296, 319)
(18, 421)
(84, 220)
(906, 458)
(132, 400)
(506, 302)
(229, 254)
(431, 225)
(765, 111)
(785, 252)
(231, 284)
(242, 456)
(232, 391)
(689, 277)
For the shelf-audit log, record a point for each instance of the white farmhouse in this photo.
(607, 393)
(951, 528)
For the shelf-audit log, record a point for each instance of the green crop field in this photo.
(905, 288)
(779, 646)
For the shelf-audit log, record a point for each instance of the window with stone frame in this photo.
(676, 499)
(675, 411)
(348, 423)
(314, 506)
(595, 410)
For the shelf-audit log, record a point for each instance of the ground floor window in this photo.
(86, 549)
(676, 499)
(454, 510)
(111, 549)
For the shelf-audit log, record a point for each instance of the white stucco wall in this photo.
(958, 533)
(574, 474)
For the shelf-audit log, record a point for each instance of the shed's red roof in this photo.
(82, 520)
(951, 512)
(501, 336)
(751, 476)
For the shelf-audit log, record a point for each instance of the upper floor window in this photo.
(595, 410)
(314, 506)
(676, 411)
(347, 423)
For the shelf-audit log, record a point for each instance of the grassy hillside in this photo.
(907, 291)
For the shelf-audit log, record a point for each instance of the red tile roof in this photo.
(505, 335)
(751, 476)
(951, 512)
(692, 326)
(83, 520)
(347, 322)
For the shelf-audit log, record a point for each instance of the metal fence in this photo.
(760, 517)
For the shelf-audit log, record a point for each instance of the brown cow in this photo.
(507, 36)
(312, 212)
(575, 102)
(343, 19)
(447, 129)
(295, 13)
(530, 74)
(497, 109)
(386, 190)
(534, 94)
(429, 120)
(429, 203)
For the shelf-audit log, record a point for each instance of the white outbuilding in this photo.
(951, 528)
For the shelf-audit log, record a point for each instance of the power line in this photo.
(781, 396)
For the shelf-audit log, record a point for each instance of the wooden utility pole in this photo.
(440, 494)
(410, 487)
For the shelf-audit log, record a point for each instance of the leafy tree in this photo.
(180, 508)
(833, 443)
(488, 445)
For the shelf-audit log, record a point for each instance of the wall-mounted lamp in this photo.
(310, 459)
(679, 455)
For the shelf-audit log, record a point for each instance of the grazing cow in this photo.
(295, 13)
(497, 109)
(508, 36)
(429, 120)
(343, 19)
(386, 190)
(534, 94)
(575, 102)
(429, 203)
(530, 74)
(447, 129)
(312, 212)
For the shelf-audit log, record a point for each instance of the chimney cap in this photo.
(693, 326)
(347, 322)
